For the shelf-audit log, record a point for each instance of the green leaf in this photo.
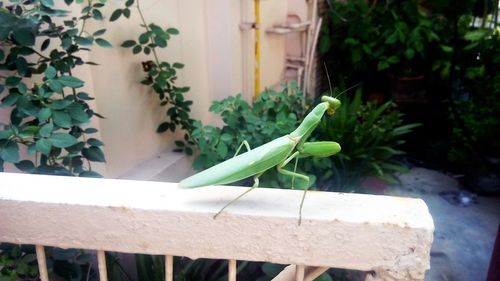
(44, 114)
(60, 104)
(70, 81)
(25, 166)
(50, 72)
(129, 3)
(10, 99)
(62, 119)
(55, 86)
(103, 43)
(90, 174)
(382, 65)
(126, 12)
(94, 154)
(62, 140)
(45, 44)
(115, 15)
(99, 32)
(163, 127)
(173, 31)
(9, 151)
(222, 150)
(21, 66)
(96, 14)
(84, 41)
(475, 35)
(24, 37)
(162, 43)
(128, 43)
(43, 146)
(178, 65)
(46, 130)
(137, 49)
(95, 142)
(48, 3)
(144, 38)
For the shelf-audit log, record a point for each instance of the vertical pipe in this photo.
(257, 48)
(232, 270)
(299, 272)
(101, 262)
(42, 263)
(169, 268)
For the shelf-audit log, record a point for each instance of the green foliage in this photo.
(371, 36)
(161, 76)
(273, 114)
(370, 135)
(50, 116)
(17, 262)
(20, 263)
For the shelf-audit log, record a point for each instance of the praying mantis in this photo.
(276, 153)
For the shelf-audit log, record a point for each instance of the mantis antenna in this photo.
(330, 84)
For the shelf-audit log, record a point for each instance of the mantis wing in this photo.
(244, 165)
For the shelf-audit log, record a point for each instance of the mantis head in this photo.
(333, 104)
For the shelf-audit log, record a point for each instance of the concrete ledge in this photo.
(390, 235)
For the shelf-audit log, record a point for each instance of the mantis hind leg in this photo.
(293, 175)
(255, 185)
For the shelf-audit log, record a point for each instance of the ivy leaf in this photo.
(115, 15)
(129, 3)
(62, 140)
(70, 81)
(126, 12)
(103, 43)
(94, 154)
(48, 3)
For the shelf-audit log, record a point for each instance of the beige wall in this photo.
(218, 60)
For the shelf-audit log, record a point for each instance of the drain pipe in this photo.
(257, 49)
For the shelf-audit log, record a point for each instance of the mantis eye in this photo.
(333, 102)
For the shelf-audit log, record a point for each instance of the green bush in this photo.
(368, 133)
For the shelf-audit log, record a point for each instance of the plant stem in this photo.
(146, 26)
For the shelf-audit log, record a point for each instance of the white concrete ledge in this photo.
(389, 235)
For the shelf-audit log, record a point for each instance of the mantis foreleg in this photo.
(241, 145)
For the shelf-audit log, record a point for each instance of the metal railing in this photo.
(390, 237)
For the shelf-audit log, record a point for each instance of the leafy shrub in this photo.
(368, 133)
(50, 113)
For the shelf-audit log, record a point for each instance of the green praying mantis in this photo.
(276, 153)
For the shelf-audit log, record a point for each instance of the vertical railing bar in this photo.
(169, 268)
(232, 270)
(299, 272)
(101, 261)
(42, 263)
